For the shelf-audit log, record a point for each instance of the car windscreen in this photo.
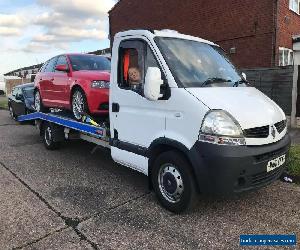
(89, 62)
(198, 64)
(28, 92)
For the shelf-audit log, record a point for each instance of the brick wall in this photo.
(288, 25)
(246, 25)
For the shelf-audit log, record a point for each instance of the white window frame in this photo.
(295, 6)
(290, 57)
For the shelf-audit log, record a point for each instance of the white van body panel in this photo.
(131, 160)
(250, 107)
(184, 118)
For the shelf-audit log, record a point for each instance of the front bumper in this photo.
(98, 100)
(225, 170)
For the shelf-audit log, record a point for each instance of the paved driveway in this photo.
(72, 199)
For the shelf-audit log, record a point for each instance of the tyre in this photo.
(38, 103)
(48, 137)
(79, 104)
(11, 112)
(173, 182)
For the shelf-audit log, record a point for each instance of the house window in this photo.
(286, 57)
(295, 6)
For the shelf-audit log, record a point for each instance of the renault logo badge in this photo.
(273, 132)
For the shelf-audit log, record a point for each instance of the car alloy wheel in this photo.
(78, 104)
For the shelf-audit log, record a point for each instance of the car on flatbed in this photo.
(77, 82)
(21, 100)
(188, 119)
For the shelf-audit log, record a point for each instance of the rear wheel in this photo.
(173, 182)
(38, 103)
(79, 104)
(48, 137)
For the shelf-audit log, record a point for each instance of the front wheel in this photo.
(79, 104)
(11, 112)
(173, 182)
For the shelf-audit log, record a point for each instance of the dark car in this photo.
(21, 100)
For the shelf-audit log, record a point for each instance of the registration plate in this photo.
(276, 163)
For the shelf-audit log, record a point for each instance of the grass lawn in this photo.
(3, 102)
(294, 161)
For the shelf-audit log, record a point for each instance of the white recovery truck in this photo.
(193, 124)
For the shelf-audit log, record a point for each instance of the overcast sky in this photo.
(32, 31)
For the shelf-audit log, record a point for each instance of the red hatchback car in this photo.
(77, 82)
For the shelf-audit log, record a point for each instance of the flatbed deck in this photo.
(95, 134)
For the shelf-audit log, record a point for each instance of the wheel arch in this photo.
(162, 145)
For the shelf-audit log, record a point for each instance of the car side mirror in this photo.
(244, 75)
(62, 67)
(153, 82)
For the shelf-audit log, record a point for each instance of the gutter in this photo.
(275, 32)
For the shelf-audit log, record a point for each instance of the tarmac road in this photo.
(72, 199)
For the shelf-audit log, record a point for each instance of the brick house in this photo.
(256, 33)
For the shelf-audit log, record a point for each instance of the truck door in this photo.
(135, 121)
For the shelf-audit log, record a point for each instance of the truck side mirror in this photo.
(153, 82)
(244, 75)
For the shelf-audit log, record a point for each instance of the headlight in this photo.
(221, 128)
(100, 84)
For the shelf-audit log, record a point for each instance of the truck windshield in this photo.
(89, 62)
(197, 64)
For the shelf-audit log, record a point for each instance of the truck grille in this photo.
(280, 126)
(259, 132)
(266, 177)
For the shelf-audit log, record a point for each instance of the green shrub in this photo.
(294, 161)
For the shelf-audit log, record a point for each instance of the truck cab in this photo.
(182, 114)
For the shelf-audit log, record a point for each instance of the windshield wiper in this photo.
(214, 80)
(241, 81)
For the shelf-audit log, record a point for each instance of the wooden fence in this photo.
(277, 83)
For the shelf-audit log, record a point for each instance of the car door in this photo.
(46, 85)
(135, 121)
(61, 83)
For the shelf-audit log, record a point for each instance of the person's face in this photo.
(134, 75)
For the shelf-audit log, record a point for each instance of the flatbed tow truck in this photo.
(194, 126)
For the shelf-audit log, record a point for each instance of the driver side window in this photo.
(135, 56)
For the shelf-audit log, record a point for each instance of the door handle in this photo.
(41, 79)
(115, 107)
(52, 80)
